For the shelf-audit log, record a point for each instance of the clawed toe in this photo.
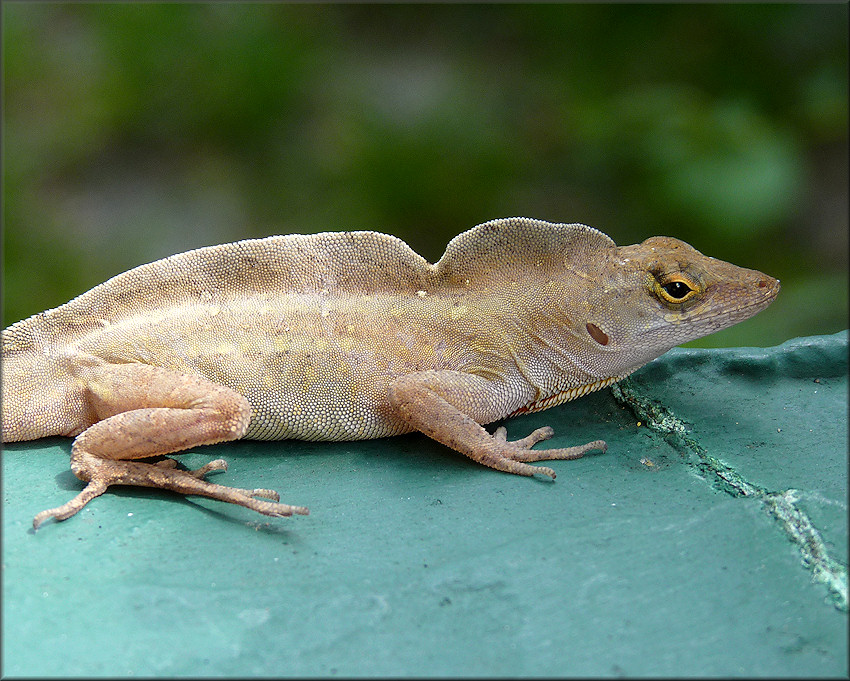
(274, 509)
(217, 465)
(544, 433)
(94, 489)
(562, 453)
(262, 493)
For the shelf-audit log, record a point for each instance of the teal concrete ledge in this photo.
(711, 540)
(799, 358)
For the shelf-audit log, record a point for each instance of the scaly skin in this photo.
(346, 336)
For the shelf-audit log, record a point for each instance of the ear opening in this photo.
(597, 334)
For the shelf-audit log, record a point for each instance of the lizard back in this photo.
(357, 263)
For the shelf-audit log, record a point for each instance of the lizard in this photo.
(352, 335)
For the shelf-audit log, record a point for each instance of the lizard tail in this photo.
(40, 397)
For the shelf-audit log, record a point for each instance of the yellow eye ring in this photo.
(676, 289)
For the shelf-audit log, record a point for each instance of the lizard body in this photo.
(352, 335)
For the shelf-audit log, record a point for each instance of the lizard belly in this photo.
(321, 415)
(308, 396)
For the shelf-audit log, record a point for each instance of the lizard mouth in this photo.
(769, 290)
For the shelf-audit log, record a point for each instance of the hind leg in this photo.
(147, 411)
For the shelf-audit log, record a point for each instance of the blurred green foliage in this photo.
(134, 131)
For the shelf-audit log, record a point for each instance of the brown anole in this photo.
(352, 335)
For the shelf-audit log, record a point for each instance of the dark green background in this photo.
(134, 131)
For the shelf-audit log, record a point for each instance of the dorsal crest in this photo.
(520, 245)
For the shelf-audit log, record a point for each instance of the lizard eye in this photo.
(677, 289)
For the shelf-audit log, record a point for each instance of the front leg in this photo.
(449, 406)
(143, 411)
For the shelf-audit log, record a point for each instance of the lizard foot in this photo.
(92, 490)
(221, 465)
(518, 452)
(101, 473)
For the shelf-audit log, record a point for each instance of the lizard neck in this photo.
(556, 360)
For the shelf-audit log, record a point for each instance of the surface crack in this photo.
(780, 506)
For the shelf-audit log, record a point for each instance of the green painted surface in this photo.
(417, 561)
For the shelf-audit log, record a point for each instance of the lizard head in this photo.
(663, 292)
